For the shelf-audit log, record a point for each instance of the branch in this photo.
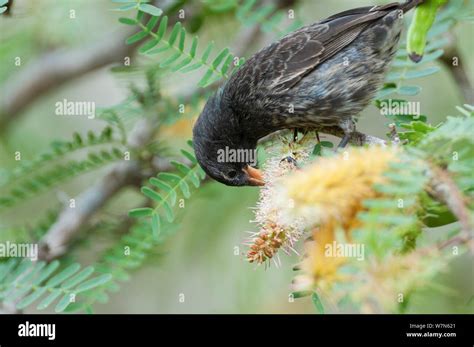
(458, 71)
(357, 138)
(443, 188)
(458, 240)
(56, 68)
(58, 238)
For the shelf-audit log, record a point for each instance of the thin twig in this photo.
(66, 228)
(394, 134)
(458, 70)
(445, 190)
(53, 69)
(357, 138)
(56, 68)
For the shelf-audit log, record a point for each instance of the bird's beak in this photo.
(255, 176)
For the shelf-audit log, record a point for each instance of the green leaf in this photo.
(162, 28)
(421, 73)
(169, 177)
(181, 167)
(193, 49)
(63, 275)
(191, 68)
(182, 64)
(168, 211)
(185, 189)
(190, 157)
(136, 37)
(227, 64)
(409, 90)
(220, 57)
(155, 225)
(207, 51)
(7, 267)
(165, 187)
(147, 46)
(174, 33)
(93, 282)
(182, 38)
(78, 278)
(152, 22)
(151, 194)
(317, 302)
(150, 9)
(205, 80)
(126, 7)
(75, 307)
(46, 272)
(194, 179)
(49, 299)
(317, 150)
(385, 92)
(63, 303)
(301, 294)
(158, 50)
(28, 300)
(128, 21)
(139, 16)
(170, 60)
(201, 173)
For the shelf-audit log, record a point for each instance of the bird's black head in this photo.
(222, 149)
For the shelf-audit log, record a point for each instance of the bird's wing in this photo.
(283, 64)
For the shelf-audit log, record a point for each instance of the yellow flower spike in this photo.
(394, 279)
(334, 188)
(273, 236)
(328, 195)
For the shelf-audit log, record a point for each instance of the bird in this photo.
(321, 75)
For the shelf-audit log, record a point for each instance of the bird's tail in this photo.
(409, 4)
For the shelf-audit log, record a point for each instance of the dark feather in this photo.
(320, 76)
(300, 52)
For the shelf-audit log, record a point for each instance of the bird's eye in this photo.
(231, 173)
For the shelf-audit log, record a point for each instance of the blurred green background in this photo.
(198, 260)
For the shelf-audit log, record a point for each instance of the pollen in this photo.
(274, 236)
(327, 196)
(331, 190)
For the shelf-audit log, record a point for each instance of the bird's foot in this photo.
(348, 127)
(295, 135)
(317, 137)
(345, 140)
(303, 131)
